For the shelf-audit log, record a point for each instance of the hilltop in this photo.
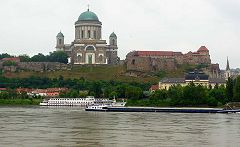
(103, 72)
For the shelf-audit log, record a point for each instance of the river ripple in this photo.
(72, 126)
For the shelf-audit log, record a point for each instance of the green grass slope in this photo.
(104, 72)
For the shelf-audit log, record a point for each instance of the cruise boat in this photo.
(89, 100)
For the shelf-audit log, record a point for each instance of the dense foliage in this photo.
(191, 95)
(5, 55)
(9, 63)
(57, 56)
(78, 87)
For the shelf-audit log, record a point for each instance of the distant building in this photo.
(213, 70)
(3, 89)
(49, 92)
(198, 78)
(88, 46)
(235, 73)
(14, 59)
(154, 88)
(9, 64)
(227, 73)
(148, 61)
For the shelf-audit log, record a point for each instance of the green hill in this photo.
(104, 72)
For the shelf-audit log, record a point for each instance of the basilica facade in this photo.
(88, 46)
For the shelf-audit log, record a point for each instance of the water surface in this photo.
(72, 126)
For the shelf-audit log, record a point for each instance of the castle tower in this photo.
(228, 70)
(204, 56)
(113, 39)
(60, 42)
(112, 49)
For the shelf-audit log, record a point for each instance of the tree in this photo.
(236, 90)
(5, 55)
(229, 89)
(24, 58)
(159, 94)
(9, 63)
(175, 92)
(96, 89)
(58, 56)
(113, 94)
(194, 95)
(219, 94)
(38, 58)
(121, 90)
(133, 92)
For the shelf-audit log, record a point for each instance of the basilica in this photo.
(88, 46)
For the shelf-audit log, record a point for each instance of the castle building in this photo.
(88, 46)
(148, 61)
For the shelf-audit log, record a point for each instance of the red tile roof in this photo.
(39, 91)
(3, 89)
(56, 89)
(202, 49)
(195, 53)
(11, 59)
(154, 87)
(155, 53)
(20, 90)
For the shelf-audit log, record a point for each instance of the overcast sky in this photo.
(30, 26)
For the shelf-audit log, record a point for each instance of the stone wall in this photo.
(151, 61)
(42, 66)
(148, 64)
(113, 59)
(213, 71)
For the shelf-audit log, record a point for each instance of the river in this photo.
(72, 126)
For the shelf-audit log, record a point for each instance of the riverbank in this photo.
(29, 101)
(130, 103)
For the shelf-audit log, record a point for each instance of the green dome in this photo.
(60, 34)
(113, 35)
(88, 15)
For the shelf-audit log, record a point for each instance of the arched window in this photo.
(79, 58)
(133, 62)
(60, 41)
(95, 35)
(100, 58)
(113, 41)
(90, 48)
(82, 34)
(89, 34)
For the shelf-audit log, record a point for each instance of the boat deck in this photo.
(170, 110)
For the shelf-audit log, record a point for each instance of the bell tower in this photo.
(113, 39)
(60, 42)
(228, 70)
(112, 49)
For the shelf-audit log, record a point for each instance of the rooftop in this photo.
(203, 49)
(88, 16)
(154, 53)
